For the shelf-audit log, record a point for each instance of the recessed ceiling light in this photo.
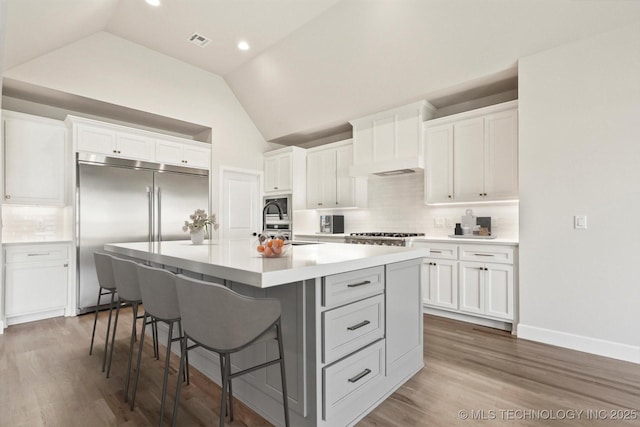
(153, 2)
(243, 45)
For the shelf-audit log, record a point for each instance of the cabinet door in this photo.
(499, 291)
(440, 283)
(314, 180)
(501, 155)
(169, 152)
(96, 140)
(35, 287)
(345, 185)
(472, 294)
(277, 173)
(329, 179)
(439, 163)
(271, 174)
(34, 162)
(468, 152)
(284, 172)
(134, 146)
(196, 156)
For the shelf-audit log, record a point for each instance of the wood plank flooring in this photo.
(47, 378)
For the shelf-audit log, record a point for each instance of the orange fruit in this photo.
(267, 251)
(279, 243)
(270, 243)
(260, 248)
(277, 250)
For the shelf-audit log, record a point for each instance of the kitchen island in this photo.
(351, 315)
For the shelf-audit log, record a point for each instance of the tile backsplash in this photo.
(35, 223)
(396, 204)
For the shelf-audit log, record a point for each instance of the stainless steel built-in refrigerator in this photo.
(130, 201)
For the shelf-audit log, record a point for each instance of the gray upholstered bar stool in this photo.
(125, 274)
(158, 289)
(223, 321)
(107, 286)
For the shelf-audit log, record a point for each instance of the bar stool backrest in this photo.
(125, 274)
(104, 270)
(220, 318)
(158, 289)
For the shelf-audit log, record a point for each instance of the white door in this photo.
(501, 155)
(241, 205)
(441, 287)
(499, 291)
(472, 287)
(468, 158)
(439, 164)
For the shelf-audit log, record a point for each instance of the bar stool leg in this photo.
(154, 333)
(183, 337)
(225, 380)
(230, 386)
(285, 396)
(166, 372)
(95, 321)
(113, 335)
(131, 345)
(106, 339)
(176, 404)
(135, 380)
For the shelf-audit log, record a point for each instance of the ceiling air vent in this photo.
(199, 40)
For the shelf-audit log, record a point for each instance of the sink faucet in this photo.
(264, 212)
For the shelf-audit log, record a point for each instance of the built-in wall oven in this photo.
(273, 223)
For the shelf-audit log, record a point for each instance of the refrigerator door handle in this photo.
(159, 204)
(150, 213)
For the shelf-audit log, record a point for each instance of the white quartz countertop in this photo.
(336, 235)
(496, 241)
(239, 261)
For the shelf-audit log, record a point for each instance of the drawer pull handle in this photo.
(484, 254)
(354, 285)
(360, 376)
(39, 254)
(359, 325)
(435, 252)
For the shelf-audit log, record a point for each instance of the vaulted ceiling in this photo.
(315, 64)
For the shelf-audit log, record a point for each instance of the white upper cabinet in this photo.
(113, 143)
(35, 159)
(277, 172)
(390, 140)
(182, 154)
(329, 184)
(285, 173)
(92, 136)
(473, 156)
(439, 164)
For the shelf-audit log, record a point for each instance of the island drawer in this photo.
(347, 383)
(343, 288)
(350, 327)
(37, 253)
(487, 253)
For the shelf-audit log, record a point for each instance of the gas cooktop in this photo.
(396, 235)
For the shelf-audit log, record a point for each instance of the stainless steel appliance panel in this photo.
(177, 196)
(113, 206)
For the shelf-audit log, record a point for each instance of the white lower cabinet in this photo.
(36, 281)
(477, 280)
(440, 283)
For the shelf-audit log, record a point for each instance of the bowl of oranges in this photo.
(271, 246)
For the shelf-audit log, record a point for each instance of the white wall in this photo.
(110, 69)
(580, 154)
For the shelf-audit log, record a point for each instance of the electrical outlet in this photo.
(495, 221)
(449, 222)
(580, 222)
(439, 222)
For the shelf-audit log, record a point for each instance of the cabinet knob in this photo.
(484, 194)
(319, 204)
(114, 151)
(186, 161)
(449, 196)
(7, 197)
(275, 188)
(480, 194)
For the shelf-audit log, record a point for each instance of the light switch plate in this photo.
(580, 222)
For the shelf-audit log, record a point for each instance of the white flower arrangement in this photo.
(200, 220)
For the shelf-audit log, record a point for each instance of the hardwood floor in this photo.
(48, 378)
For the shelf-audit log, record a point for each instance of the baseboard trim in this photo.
(32, 317)
(2, 326)
(614, 350)
(468, 318)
